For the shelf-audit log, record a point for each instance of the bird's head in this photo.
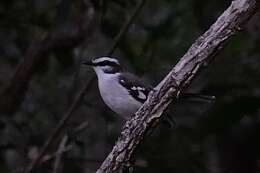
(105, 65)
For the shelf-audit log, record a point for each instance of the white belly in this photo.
(116, 96)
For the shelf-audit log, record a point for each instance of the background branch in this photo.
(198, 56)
(125, 27)
(60, 152)
(13, 94)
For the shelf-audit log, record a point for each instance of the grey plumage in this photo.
(122, 92)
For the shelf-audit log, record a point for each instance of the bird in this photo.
(123, 92)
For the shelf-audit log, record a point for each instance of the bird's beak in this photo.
(90, 63)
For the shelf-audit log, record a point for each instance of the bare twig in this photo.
(60, 152)
(81, 127)
(126, 27)
(13, 94)
(198, 56)
(68, 148)
(77, 99)
(60, 126)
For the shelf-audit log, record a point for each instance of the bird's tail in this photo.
(197, 97)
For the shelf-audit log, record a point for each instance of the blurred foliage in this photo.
(215, 137)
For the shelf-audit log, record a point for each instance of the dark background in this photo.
(210, 137)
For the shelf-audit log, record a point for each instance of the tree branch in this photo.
(198, 56)
(58, 129)
(126, 26)
(60, 151)
(13, 94)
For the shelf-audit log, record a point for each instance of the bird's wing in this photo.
(136, 87)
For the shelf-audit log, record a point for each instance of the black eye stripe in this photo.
(106, 63)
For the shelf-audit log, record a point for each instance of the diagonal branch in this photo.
(67, 38)
(126, 26)
(198, 56)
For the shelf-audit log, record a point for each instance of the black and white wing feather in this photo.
(135, 86)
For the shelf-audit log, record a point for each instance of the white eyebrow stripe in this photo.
(105, 59)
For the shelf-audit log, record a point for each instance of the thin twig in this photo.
(14, 92)
(60, 126)
(78, 130)
(53, 155)
(60, 152)
(81, 127)
(126, 27)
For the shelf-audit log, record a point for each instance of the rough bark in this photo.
(199, 55)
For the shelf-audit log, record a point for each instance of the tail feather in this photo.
(197, 97)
